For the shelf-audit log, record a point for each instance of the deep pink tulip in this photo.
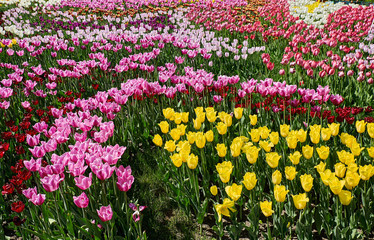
(81, 201)
(105, 213)
(83, 182)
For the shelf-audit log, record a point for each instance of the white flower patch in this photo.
(314, 13)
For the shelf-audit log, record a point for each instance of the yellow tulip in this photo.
(223, 209)
(170, 146)
(315, 133)
(192, 161)
(366, 172)
(272, 159)
(224, 170)
(178, 118)
(290, 172)
(360, 126)
(356, 149)
(284, 130)
(252, 154)
(347, 139)
(326, 134)
(176, 159)
(227, 119)
(199, 110)
(300, 200)
(249, 180)
(238, 112)
(276, 177)
(255, 135)
(14, 41)
(191, 137)
(345, 197)
(209, 135)
(307, 151)
(295, 157)
(164, 126)
(235, 148)
(340, 169)
(323, 152)
(196, 123)
(325, 176)
(301, 135)
(352, 167)
(168, 113)
(200, 140)
(211, 115)
(306, 182)
(184, 149)
(221, 149)
(264, 132)
(175, 134)
(221, 128)
(185, 117)
(213, 190)
(370, 151)
(274, 138)
(234, 191)
(266, 145)
(280, 193)
(336, 185)
(182, 129)
(291, 141)
(320, 167)
(334, 128)
(253, 119)
(370, 129)
(345, 157)
(157, 140)
(266, 208)
(352, 179)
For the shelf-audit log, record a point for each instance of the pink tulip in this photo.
(33, 165)
(37, 199)
(32, 141)
(81, 201)
(28, 193)
(105, 213)
(51, 182)
(83, 182)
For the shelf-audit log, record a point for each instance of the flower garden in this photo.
(176, 119)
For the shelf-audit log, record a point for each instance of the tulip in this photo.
(175, 134)
(370, 151)
(290, 173)
(197, 123)
(307, 151)
(81, 201)
(170, 146)
(326, 134)
(185, 117)
(284, 130)
(272, 159)
(176, 159)
(200, 140)
(320, 167)
(280, 193)
(366, 172)
(370, 129)
(253, 119)
(345, 157)
(300, 200)
(336, 185)
(306, 182)
(291, 141)
(264, 132)
(211, 115)
(266, 208)
(224, 170)
(252, 154)
(192, 161)
(255, 135)
(340, 169)
(345, 197)
(223, 209)
(360, 126)
(301, 135)
(221, 128)
(83, 182)
(209, 136)
(221, 149)
(191, 137)
(274, 137)
(164, 126)
(295, 157)
(249, 180)
(37, 199)
(325, 176)
(276, 177)
(105, 213)
(266, 145)
(352, 179)
(334, 128)
(213, 190)
(234, 191)
(323, 152)
(238, 113)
